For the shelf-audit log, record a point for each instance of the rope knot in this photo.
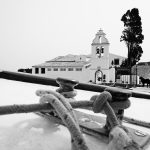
(100, 101)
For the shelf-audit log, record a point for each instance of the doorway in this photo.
(98, 77)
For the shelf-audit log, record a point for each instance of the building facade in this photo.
(96, 67)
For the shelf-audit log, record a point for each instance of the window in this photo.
(70, 69)
(116, 61)
(48, 69)
(78, 69)
(36, 70)
(98, 50)
(104, 76)
(55, 69)
(62, 69)
(102, 49)
(43, 70)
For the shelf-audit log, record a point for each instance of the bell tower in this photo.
(100, 45)
(100, 55)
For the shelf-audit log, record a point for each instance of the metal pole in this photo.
(49, 81)
(136, 75)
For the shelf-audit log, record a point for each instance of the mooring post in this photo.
(120, 98)
(66, 87)
(119, 102)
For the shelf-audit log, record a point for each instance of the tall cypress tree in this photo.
(132, 36)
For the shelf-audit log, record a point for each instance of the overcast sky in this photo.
(34, 31)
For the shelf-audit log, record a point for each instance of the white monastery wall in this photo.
(112, 75)
(81, 76)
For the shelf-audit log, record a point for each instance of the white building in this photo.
(96, 67)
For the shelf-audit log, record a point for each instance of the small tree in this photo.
(133, 37)
(124, 63)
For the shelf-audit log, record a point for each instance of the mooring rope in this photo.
(65, 113)
(28, 108)
(101, 103)
(61, 98)
(119, 138)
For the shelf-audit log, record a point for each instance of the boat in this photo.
(46, 124)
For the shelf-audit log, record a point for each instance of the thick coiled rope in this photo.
(60, 97)
(65, 112)
(101, 103)
(119, 138)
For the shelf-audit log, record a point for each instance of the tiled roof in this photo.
(68, 57)
(65, 61)
(63, 64)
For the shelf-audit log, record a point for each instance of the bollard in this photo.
(66, 87)
(120, 101)
(120, 96)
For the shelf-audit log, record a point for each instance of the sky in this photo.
(35, 31)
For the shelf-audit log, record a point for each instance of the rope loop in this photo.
(65, 112)
(99, 102)
(119, 138)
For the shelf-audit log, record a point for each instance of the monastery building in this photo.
(97, 67)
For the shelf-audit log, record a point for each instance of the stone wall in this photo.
(142, 71)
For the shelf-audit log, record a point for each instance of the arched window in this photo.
(98, 52)
(102, 49)
(104, 76)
